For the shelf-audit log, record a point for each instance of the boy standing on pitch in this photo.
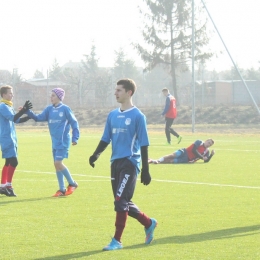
(170, 113)
(8, 138)
(126, 129)
(60, 120)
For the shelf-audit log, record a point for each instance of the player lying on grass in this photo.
(197, 150)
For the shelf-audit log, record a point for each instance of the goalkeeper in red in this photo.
(126, 129)
(197, 150)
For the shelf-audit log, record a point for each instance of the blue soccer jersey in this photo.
(60, 121)
(128, 132)
(8, 139)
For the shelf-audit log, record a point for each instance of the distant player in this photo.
(60, 120)
(197, 150)
(126, 129)
(170, 113)
(8, 138)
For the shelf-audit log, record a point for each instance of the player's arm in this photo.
(100, 148)
(74, 125)
(105, 141)
(145, 175)
(25, 108)
(22, 119)
(167, 106)
(209, 157)
(40, 117)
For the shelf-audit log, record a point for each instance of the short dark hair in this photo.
(128, 84)
(3, 89)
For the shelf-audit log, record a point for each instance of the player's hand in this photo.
(212, 152)
(27, 105)
(92, 159)
(145, 177)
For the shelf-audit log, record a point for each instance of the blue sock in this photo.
(61, 181)
(68, 176)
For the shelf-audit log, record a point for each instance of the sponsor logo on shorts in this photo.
(122, 187)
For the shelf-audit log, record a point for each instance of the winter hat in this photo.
(59, 92)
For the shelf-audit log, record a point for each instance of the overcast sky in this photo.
(35, 32)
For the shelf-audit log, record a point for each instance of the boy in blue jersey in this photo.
(126, 129)
(8, 138)
(60, 120)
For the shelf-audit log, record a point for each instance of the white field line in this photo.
(166, 181)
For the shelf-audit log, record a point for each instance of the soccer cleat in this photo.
(168, 143)
(179, 139)
(71, 188)
(4, 191)
(149, 231)
(59, 193)
(114, 245)
(10, 192)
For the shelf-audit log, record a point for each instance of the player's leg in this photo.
(148, 223)
(13, 162)
(3, 189)
(4, 177)
(173, 132)
(169, 158)
(182, 157)
(152, 161)
(61, 169)
(168, 123)
(122, 178)
(60, 177)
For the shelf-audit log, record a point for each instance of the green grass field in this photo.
(204, 211)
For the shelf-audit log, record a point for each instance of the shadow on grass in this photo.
(15, 200)
(200, 237)
(212, 235)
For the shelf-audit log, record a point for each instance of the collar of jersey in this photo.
(58, 105)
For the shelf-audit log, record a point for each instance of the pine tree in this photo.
(167, 33)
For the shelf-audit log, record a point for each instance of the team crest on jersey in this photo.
(128, 121)
(61, 114)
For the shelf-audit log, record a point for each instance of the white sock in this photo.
(161, 159)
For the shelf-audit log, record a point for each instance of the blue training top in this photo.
(60, 119)
(8, 139)
(128, 132)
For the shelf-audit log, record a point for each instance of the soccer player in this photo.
(126, 129)
(60, 120)
(8, 138)
(197, 150)
(170, 113)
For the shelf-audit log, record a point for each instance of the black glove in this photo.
(24, 119)
(145, 177)
(92, 159)
(27, 105)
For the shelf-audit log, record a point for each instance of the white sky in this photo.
(35, 32)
